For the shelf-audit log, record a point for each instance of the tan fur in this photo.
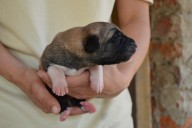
(84, 48)
(72, 38)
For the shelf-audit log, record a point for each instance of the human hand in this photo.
(114, 83)
(73, 110)
(35, 89)
(79, 86)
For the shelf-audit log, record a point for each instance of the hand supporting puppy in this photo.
(28, 80)
(34, 87)
(79, 86)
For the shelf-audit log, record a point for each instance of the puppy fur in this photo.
(84, 48)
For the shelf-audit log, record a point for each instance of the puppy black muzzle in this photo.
(119, 48)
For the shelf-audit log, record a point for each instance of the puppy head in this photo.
(106, 44)
(98, 43)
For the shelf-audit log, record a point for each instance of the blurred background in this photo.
(171, 63)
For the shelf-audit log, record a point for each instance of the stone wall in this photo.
(171, 63)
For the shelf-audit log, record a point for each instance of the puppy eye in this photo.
(91, 43)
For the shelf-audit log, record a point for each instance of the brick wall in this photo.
(171, 63)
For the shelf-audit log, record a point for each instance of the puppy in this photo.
(84, 48)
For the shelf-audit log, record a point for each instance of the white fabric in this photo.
(26, 27)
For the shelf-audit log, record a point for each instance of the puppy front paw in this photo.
(87, 107)
(96, 78)
(97, 85)
(60, 88)
(58, 80)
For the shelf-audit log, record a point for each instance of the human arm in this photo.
(27, 80)
(134, 22)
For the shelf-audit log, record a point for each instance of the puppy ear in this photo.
(91, 43)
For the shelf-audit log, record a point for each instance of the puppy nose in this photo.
(118, 33)
(133, 47)
(132, 42)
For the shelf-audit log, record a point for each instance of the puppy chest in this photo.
(69, 71)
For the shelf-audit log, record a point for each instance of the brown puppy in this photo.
(80, 48)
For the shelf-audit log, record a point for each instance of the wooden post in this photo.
(143, 96)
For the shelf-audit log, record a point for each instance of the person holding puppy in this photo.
(26, 27)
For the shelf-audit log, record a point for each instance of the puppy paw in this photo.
(88, 107)
(58, 80)
(97, 86)
(60, 88)
(65, 114)
(96, 78)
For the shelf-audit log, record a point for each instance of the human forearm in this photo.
(134, 22)
(116, 77)
(10, 67)
(27, 80)
(136, 26)
(141, 34)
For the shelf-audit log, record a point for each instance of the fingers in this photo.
(86, 108)
(53, 105)
(42, 98)
(76, 111)
(65, 114)
(36, 90)
(50, 104)
(78, 80)
(71, 111)
(45, 77)
(55, 109)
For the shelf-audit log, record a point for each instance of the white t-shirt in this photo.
(26, 27)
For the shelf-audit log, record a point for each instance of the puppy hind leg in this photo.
(59, 83)
(87, 107)
(65, 114)
(96, 78)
